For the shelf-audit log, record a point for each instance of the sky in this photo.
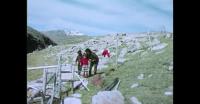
(100, 17)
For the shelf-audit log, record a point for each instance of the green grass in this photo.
(34, 74)
(150, 90)
(44, 57)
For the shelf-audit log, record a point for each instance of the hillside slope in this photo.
(60, 37)
(36, 40)
(145, 73)
(156, 78)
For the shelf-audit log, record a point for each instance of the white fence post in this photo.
(44, 81)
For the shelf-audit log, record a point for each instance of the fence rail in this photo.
(42, 67)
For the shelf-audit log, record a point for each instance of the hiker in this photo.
(106, 53)
(78, 61)
(94, 60)
(84, 64)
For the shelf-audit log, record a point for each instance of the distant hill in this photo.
(37, 40)
(62, 37)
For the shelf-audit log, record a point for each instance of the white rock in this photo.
(170, 68)
(168, 35)
(159, 52)
(36, 86)
(135, 85)
(159, 47)
(138, 51)
(168, 93)
(77, 83)
(141, 76)
(120, 61)
(108, 97)
(154, 42)
(134, 100)
(32, 92)
(76, 95)
(72, 100)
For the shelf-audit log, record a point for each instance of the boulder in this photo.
(168, 93)
(141, 76)
(159, 47)
(134, 85)
(72, 100)
(108, 97)
(134, 100)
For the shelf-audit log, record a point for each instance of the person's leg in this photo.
(84, 71)
(87, 71)
(79, 69)
(95, 68)
(90, 69)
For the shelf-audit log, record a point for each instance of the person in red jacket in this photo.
(84, 62)
(106, 53)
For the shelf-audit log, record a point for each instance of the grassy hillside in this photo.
(60, 37)
(151, 89)
(157, 78)
(36, 40)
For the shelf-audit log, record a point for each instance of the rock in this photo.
(159, 52)
(170, 68)
(77, 84)
(39, 81)
(108, 97)
(135, 85)
(168, 35)
(123, 52)
(134, 47)
(141, 76)
(72, 100)
(120, 61)
(154, 42)
(138, 51)
(159, 47)
(134, 100)
(77, 95)
(168, 93)
(31, 92)
(36, 86)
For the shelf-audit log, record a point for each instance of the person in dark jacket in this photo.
(94, 60)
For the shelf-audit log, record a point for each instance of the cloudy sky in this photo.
(97, 17)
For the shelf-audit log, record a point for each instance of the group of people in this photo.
(83, 60)
(88, 60)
